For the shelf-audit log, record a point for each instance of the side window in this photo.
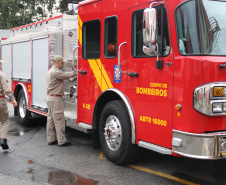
(110, 37)
(91, 39)
(162, 33)
(137, 35)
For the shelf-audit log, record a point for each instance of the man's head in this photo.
(58, 61)
(1, 61)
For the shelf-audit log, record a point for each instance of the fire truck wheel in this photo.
(23, 112)
(115, 133)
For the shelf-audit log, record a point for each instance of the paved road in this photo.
(31, 161)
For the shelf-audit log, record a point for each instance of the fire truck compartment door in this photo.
(22, 59)
(39, 70)
(6, 56)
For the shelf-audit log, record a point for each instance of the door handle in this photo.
(119, 57)
(82, 72)
(133, 74)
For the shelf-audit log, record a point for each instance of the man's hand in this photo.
(14, 103)
(75, 73)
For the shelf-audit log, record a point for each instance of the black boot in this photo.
(4, 144)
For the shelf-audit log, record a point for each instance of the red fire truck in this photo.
(151, 74)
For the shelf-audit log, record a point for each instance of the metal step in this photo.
(154, 147)
(71, 116)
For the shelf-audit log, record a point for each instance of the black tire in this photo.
(122, 151)
(22, 111)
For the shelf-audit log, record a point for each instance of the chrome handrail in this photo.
(74, 57)
(119, 57)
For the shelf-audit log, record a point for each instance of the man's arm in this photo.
(65, 75)
(8, 90)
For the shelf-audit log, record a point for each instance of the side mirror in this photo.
(149, 31)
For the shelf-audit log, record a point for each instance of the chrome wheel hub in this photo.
(22, 107)
(113, 133)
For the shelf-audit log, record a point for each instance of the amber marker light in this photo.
(218, 91)
(178, 107)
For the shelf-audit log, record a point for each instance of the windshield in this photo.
(201, 27)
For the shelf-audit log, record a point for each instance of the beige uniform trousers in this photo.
(55, 121)
(4, 118)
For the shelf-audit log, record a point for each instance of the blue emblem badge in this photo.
(117, 74)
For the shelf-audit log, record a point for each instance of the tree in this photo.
(14, 13)
(63, 7)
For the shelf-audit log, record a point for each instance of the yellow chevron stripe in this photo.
(80, 35)
(104, 84)
(80, 22)
(80, 30)
(97, 73)
(98, 69)
(107, 79)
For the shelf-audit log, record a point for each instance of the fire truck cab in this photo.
(150, 74)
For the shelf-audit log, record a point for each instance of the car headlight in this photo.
(217, 107)
(210, 99)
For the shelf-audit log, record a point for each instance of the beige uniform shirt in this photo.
(4, 87)
(55, 80)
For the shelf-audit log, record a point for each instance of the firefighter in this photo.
(4, 113)
(55, 84)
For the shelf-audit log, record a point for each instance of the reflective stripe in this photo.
(96, 70)
(80, 21)
(80, 30)
(104, 73)
(80, 35)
